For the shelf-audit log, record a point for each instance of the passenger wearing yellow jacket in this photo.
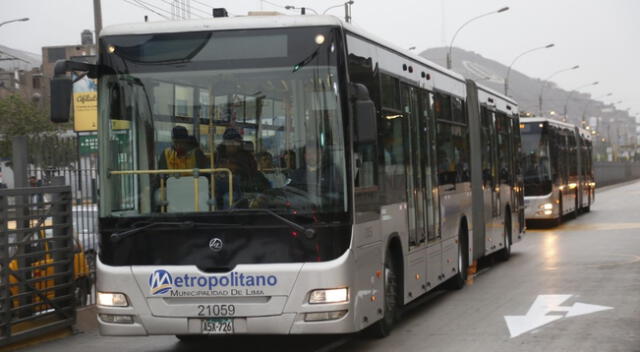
(184, 152)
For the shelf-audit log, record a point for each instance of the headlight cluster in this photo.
(334, 295)
(109, 299)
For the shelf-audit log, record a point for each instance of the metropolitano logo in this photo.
(160, 281)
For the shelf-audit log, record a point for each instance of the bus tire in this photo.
(190, 338)
(382, 328)
(505, 253)
(459, 280)
(81, 290)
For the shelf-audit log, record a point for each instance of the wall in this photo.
(615, 172)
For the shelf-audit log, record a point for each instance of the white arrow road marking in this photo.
(544, 304)
(583, 308)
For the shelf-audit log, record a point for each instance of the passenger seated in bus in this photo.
(246, 177)
(184, 152)
(288, 162)
(265, 165)
(265, 161)
(315, 177)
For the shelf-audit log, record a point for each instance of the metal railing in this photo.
(184, 172)
(42, 272)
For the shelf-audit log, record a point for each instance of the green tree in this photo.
(20, 117)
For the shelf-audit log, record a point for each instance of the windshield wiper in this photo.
(183, 225)
(308, 232)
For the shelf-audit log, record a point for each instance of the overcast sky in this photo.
(600, 36)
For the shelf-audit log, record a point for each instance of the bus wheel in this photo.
(505, 253)
(382, 328)
(82, 288)
(457, 282)
(190, 338)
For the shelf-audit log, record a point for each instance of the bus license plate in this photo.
(217, 326)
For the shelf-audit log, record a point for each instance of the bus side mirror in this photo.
(364, 114)
(61, 89)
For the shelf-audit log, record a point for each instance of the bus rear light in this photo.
(325, 315)
(116, 319)
(109, 299)
(335, 295)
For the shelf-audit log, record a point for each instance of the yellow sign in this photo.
(85, 111)
(120, 124)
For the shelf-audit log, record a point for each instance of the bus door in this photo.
(504, 159)
(490, 179)
(416, 275)
(518, 179)
(426, 131)
(415, 182)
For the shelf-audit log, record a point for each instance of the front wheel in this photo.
(382, 328)
(457, 282)
(190, 338)
(81, 290)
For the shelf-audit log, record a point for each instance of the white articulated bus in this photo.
(288, 175)
(557, 167)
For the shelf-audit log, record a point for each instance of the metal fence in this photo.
(84, 211)
(43, 273)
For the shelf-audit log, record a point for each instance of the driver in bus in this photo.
(246, 177)
(316, 177)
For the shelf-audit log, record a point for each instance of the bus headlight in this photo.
(546, 206)
(573, 185)
(334, 295)
(109, 299)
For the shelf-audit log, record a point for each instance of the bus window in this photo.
(503, 147)
(363, 70)
(390, 92)
(442, 106)
(453, 160)
(393, 150)
(486, 140)
(457, 110)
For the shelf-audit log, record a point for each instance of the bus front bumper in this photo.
(269, 314)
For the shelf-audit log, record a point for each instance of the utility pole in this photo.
(97, 19)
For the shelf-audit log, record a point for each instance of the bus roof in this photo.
(281, 21)
(584, 133)
(263, 22)
(220, 23)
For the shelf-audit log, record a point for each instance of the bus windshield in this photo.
(215, 121)
(535, 158)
